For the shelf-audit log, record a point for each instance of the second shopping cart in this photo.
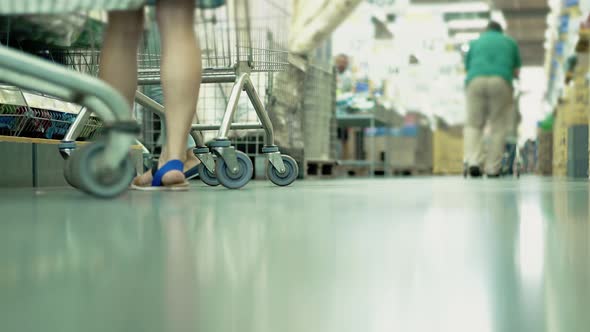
(244, 44)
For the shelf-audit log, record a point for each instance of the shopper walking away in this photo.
(493, 61)
(343, 74)
(181, 77)
(344, 95)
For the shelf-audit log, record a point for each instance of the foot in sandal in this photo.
(168, 177)
(190, 165)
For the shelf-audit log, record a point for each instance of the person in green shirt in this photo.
(492, 62)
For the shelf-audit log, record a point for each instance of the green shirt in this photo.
(493, 54)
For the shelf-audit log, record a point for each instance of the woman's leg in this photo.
(118, 59)
(181, 76)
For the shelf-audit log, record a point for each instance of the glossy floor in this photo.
(432, 254)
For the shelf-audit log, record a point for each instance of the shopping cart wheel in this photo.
(207, 177)
(84, 175)
(291, 172)
(240, 178)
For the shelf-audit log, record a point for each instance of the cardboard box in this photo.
(575, 114)
(378, 144)
(560, 145)
(352, 145)
(447, 152)
(402, 149)
(581, 93)
(544, 153)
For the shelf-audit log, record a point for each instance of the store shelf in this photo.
(13, 139)
(379, 118)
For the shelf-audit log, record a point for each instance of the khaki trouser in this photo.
(489, 102)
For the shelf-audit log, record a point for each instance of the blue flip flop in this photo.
(157, 185)
(192, 173)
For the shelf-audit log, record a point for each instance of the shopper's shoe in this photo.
(192, 173)
(475, 172)
(493, 176)
(158, 177)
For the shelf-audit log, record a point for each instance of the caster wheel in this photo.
(291, 172)
(207, 177)
(83, 175)
(238, 180)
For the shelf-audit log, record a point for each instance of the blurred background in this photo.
(398, 90)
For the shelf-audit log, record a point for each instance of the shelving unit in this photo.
(364, 120)
(30, 115)
(567, 66)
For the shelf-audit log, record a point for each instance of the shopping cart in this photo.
(103, 168)
(233, 49)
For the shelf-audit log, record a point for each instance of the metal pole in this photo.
(238, 126)
(373, 150)
(262, 114)
(155, 79)
(232, 105)
(78, 125)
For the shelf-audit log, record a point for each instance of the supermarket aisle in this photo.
(435, 254)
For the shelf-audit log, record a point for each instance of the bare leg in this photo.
(191, 160)
(118, 60)
(181, 76)
(181, 72)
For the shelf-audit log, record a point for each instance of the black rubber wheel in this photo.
(291, 172)
(238, 180)
(207, 177)
(104, 184)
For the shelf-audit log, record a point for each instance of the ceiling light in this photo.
(466, 24)
(467, 7)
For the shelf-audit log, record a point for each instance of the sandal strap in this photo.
(172, 165)
(154, 167)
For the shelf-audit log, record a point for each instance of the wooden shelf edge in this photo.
(13, 139)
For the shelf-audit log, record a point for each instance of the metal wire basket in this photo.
(252, 32)
(242, 35)
(79, 59)
(20, 118)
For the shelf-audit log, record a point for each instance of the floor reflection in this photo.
(412, 255)
(567, 272)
